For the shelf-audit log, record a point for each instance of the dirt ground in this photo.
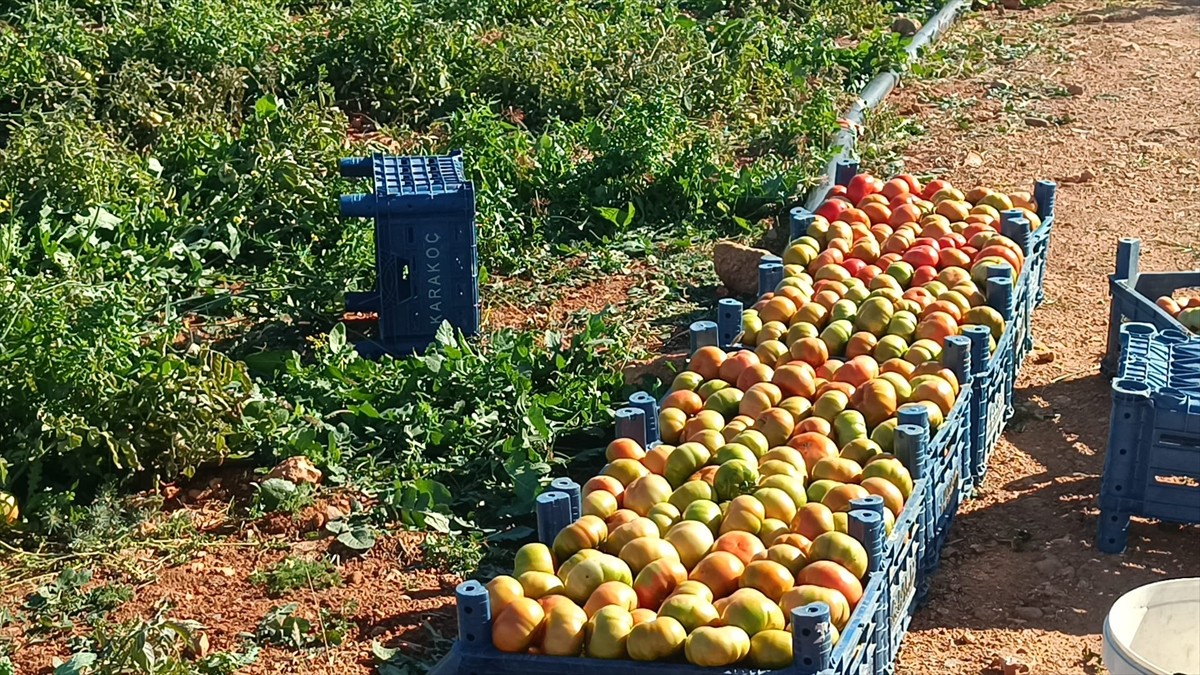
(1124, 143)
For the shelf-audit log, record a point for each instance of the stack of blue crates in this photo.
(426, 265)
(1152, 464)
(1133, 296)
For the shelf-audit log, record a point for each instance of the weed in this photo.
(282, 628)
(292, 574)
(55, 606)
(155, 646)
(458, 553)
(277, 495)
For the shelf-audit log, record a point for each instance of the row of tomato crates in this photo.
(946, 465)
(1152, 462)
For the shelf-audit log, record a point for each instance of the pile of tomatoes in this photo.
(699, 547)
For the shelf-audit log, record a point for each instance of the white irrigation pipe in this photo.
(874, 93)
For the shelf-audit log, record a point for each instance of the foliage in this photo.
(155, 646)
(172, 263)
(457, 553)
(282, 628)
(277, 495)
(291, 574)
(54, 606)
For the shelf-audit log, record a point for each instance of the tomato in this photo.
(684, 461)
(799, 596)
(741, 544)
(842, 549)
(642, 551)
(717, 646)
(656, 581)
(813, 447)
(586, 532)
(837, 468)
(752, 611)
(720, 571)
(838, 499)
(656, 640)
(692, 540)
(644, 492)
(533, 557)
(891, 470)
(877, 400)
(690, 610)
(540, 584)
(770, 578)
(623, 534)
(686, 400)
(776, 425)
(587, 576)
(707, 361)
(610, 593)
(518, 625)
(812, 520)
(608, 633)
(832, 575)
(502, 591)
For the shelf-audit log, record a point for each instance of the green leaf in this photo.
(266, 106)
(337, 338)
(79, 664)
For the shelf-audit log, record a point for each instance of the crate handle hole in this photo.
(467, 609)
(806, 632)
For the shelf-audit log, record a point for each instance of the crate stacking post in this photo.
(426, 265)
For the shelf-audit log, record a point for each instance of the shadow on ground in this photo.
(1021, 554)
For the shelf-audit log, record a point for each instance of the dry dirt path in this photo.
(1107, 105)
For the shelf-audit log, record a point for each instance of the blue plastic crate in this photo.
(426, 263)
(859, 652)
(1152, 464)
(1133, 295)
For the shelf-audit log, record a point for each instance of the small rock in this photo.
(973, 160)
(966, 639)
(1091, 18)
(299, 469)
(333, 513)
(228, 572)
(198, 567)
(1047, 567)
(1036, 122)
(1006, 665)
(356, 577)
(1043, 357)
(1012, 4)
(737, 266)
(905, 26)
(1028, 613)
(1075, 89)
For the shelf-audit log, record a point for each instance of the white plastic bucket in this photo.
(1155, 630)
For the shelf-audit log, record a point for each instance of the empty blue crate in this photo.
(1152, 464)
(1133, 295)
(426, 265)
